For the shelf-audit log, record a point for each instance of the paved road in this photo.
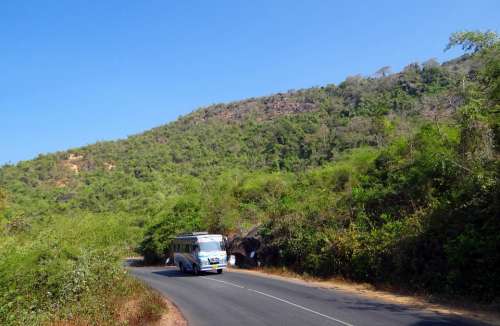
(234, 298)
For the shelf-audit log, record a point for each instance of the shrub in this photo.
(61, 269)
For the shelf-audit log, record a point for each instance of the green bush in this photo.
(62, 268)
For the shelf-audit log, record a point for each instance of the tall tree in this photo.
(479, 117)
(383, 72)
(473, 41)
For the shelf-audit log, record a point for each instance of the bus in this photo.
(199, 251)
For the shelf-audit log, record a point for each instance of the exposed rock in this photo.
(109, 166)
(246, 248)
(261, 109)
(74, 157)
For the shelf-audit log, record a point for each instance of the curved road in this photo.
(234, 298)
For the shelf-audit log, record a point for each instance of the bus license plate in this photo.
(215, 266)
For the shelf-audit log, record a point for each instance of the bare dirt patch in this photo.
(174, 316)
(158, 312)
(487, 314)
(72, 163)
(150, 308)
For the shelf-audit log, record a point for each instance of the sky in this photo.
(76, 72)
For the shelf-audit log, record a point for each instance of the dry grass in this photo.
(150, 308)
(145, 308)
(140, 305)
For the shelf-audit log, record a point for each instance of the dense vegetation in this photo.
(392, 178)
(68, 270)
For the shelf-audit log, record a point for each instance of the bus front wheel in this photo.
(196, 269)
(219, 271)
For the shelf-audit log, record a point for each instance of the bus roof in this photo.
(205, 236)
(193, 233)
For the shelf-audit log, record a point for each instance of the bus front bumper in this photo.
(213, 267)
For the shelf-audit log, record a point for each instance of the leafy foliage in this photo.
(63, 268)
(473, 40)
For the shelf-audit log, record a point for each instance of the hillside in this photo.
(283, 132)
(392, 178)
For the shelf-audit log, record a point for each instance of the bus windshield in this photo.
(211, 246)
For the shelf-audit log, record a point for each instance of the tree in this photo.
(476, 137)
(430, 64)
(383, 72)
(472, 41)
(491, 73)
(480, 125)
(3, 200)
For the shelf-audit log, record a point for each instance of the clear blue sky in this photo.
(76, 72)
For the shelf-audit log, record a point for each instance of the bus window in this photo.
(211, 246)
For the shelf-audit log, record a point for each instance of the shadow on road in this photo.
(172, 272)
(134, 262)
(139, 262)
(434, 320)
(364, 305)
(445, 321)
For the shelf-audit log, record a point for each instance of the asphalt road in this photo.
(234, 298)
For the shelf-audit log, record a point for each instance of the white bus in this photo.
(199, 251)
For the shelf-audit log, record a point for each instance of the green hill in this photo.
(292, 132)
(391, 178)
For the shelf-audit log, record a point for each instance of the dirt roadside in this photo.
(174, 316)
(490, 315)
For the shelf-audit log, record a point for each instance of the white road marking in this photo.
(228, 283)
(302, 307)
(282, 300)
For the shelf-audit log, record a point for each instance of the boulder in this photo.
(246, 248)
